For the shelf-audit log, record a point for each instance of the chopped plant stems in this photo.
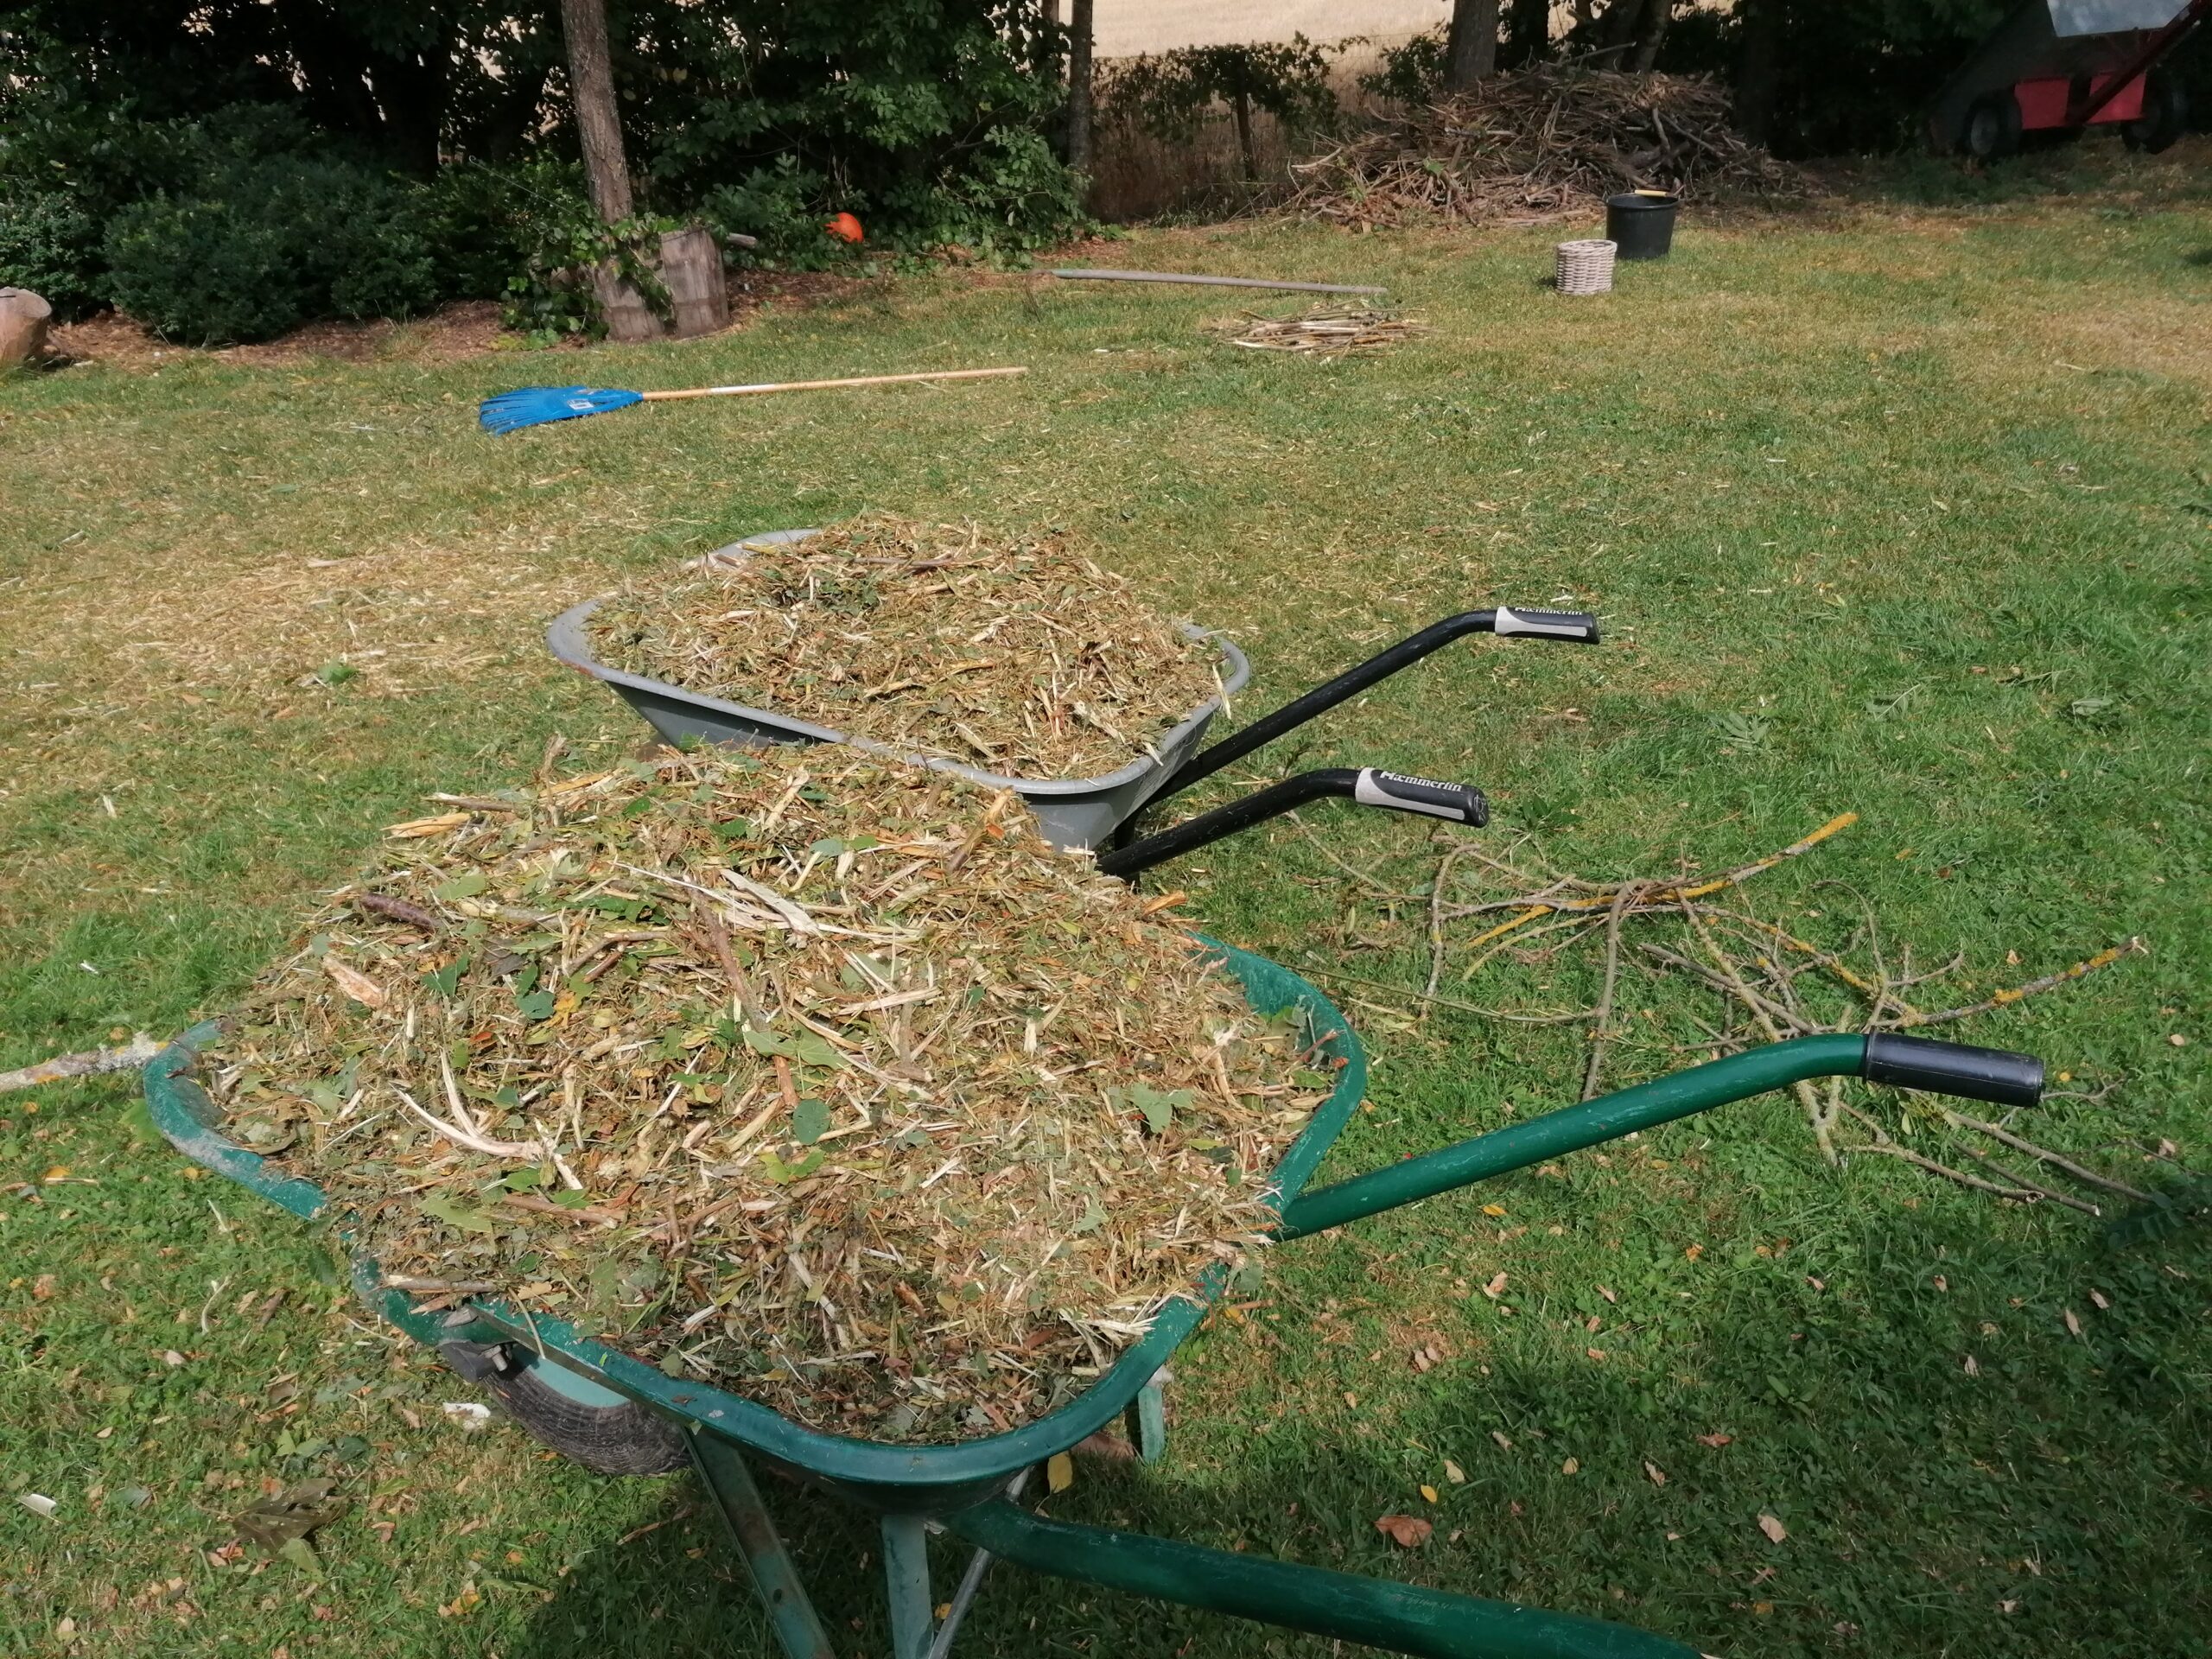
(1016, 654)
(1324, 331)
(1765, 976)
(824, 1080)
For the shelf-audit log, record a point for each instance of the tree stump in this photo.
(23, 319)
(624, 310)
(691, 266)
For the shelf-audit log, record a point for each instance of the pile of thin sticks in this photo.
(1540, 143)
(1326, 331)
(1772, 983)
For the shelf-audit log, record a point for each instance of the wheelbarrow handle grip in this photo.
(1460, 803)
(1909, 1062)
(1577, 625)
(1957, 1069)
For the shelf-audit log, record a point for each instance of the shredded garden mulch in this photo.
(1540, 143)
(1325, 331)
(824, 1081)
(1016, 654)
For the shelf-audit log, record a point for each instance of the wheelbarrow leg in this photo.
(906, 1582)
(729, 1483)
(1146, 1420)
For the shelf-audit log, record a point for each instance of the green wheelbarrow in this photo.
(619, 1415)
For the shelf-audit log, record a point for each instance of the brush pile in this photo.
(1541, 144)
(826, 1082)
(1328, 331)
(1015, 654)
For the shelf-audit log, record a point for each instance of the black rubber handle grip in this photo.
(1957, 1069)
(1577, 625)
(1461, 803)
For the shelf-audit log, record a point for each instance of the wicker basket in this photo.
(1587, 267)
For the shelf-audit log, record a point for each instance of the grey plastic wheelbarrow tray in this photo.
(1072, 812)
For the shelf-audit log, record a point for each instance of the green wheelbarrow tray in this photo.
(964, 1488)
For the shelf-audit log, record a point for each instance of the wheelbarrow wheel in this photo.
(607, 1439)
(1993, 127)
(2165, 117)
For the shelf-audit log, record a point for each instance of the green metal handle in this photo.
(1776, 1065)
(1398, 1617)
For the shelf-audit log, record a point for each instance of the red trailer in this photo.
(2061, 65)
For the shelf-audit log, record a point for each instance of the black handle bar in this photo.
(1458, 803)
(1575, 625)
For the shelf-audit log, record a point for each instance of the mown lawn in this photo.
(1897, 510)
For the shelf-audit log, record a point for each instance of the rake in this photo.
(510, 411)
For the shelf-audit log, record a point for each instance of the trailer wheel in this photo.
(1993, 127)
(2165, 117)
(623, 1438)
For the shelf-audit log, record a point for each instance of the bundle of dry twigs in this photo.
(1537, 144)
(1324, 331)
(1772, 984)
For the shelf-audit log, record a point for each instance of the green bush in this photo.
(263, 245)
(51, 245)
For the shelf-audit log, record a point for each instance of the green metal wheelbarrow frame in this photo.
(967, 1489)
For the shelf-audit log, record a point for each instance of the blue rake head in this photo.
(510, 411)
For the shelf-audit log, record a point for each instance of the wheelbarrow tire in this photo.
(2165, 117)
(1993, 127)
(625, 1439)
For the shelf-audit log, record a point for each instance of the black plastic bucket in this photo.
(1641, 223)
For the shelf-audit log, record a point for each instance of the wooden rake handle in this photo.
(823, 386)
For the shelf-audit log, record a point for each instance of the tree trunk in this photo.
(1528, 31)
(1755, 75)
(1470, 47)
(599, 125)
(1617, 28)
(1651, 34)
(1079, 84)
(1241, 106)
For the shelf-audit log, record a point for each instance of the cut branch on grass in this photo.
(89, 1063)
(2132, 945)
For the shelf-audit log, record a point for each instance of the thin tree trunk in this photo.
(1528, 31)
(1617, 28)
(1651, 34)
(1241, 106)
(1470, 47)
(1755, 75)
(591, 88)
(1079, 87)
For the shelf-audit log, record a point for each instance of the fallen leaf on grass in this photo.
(1430, 1493)
(1572, 1466)
(300, 1553)
(1714, 1440)
(1775, 1530)
(1658, 1475)
(1454, 1473)
(37, 1503)
(279, 1521)
(2073, 1324)
(1496, 1288)
(1971, 1366)
(1406, 1531)
(1503, 1444)
(2098, 1297)
(467, 1412)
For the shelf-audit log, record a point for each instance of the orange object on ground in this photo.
(845, 228)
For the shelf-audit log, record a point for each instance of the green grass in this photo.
(1804, 466)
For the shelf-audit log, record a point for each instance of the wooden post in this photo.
(23, 318)
(691, 265)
